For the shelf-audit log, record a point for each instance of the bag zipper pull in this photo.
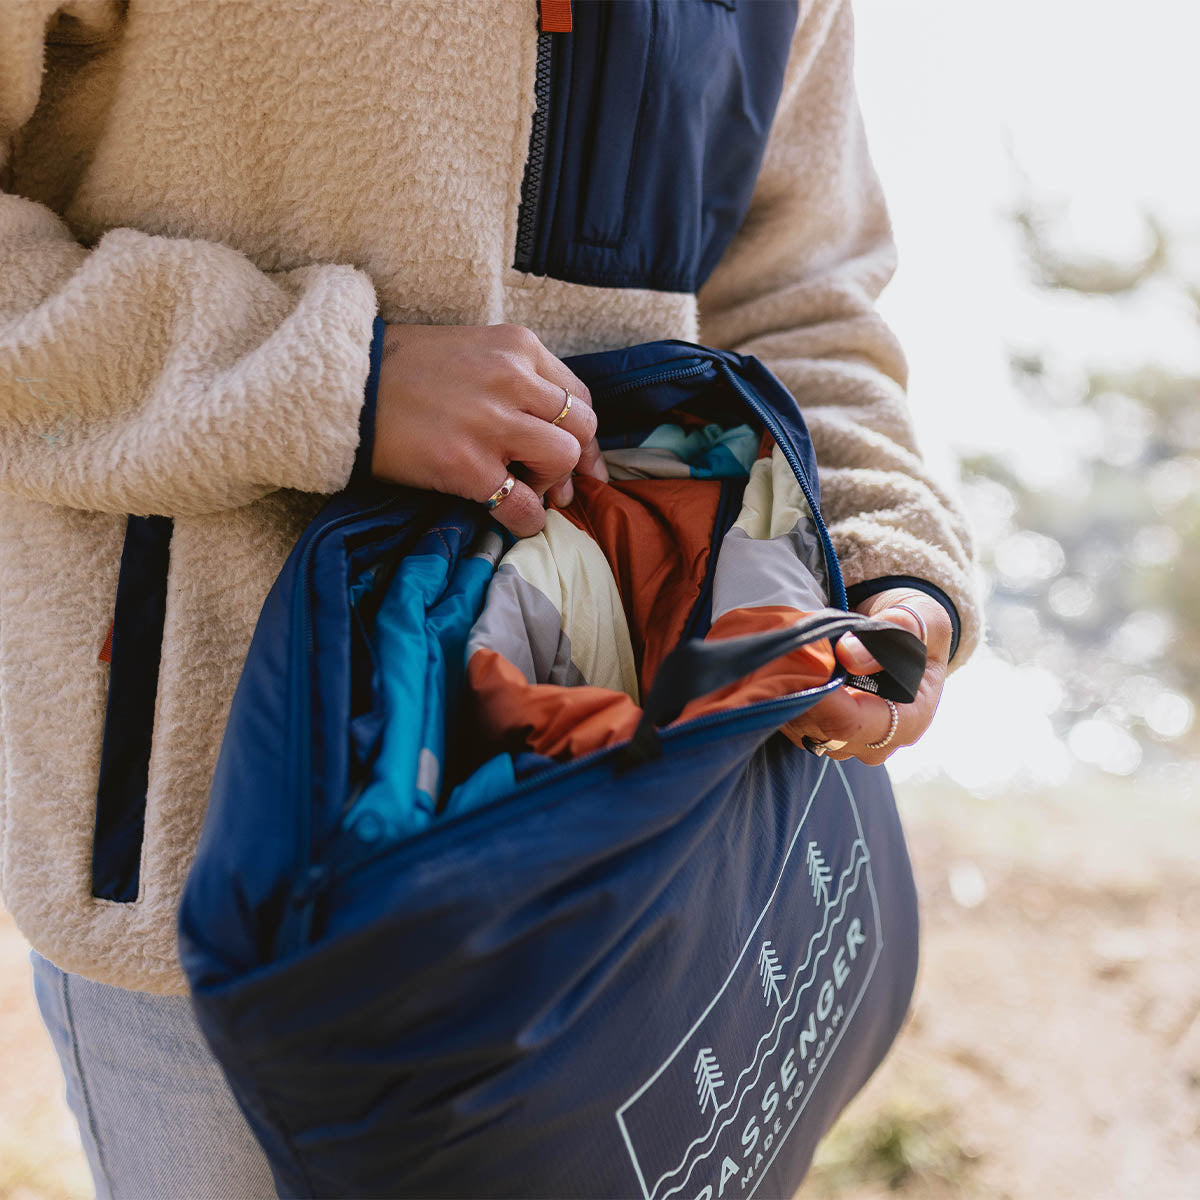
(556, 16)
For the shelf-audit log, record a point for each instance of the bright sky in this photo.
(1093, 106)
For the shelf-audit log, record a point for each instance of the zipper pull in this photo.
(556, 16)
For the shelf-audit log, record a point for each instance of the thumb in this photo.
(854, 656)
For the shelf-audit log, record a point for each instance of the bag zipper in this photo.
(777, 431)
(647, 376)
(687, 367)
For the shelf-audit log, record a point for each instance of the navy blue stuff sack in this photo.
(648, 951)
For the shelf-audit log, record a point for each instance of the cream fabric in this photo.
(204, 206)
(569, 569)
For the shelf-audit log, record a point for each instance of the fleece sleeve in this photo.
(161, 375)
(797, 288)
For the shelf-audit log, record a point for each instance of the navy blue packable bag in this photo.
(657, 971)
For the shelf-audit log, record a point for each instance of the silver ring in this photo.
(912, 612)
(891, 733)
(502, 492)
(562, 416)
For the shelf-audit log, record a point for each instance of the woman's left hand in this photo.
(848, 719)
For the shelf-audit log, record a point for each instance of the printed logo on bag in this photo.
(710, 1121)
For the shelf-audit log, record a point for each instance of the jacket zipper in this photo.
(767, 417)
(732, 492)
(315, 879)
(531, 185)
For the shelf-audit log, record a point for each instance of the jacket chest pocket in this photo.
(651, 121)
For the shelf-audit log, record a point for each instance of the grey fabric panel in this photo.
(488, 546)
(787, 570)
(637, 463)
(520, 623)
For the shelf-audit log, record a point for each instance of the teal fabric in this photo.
(420, 637)
(420, 641)
(495, 779)
(448, 627)
(712, 452)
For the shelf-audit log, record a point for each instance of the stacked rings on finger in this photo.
(562, 416)
(502, 492)
(891, 733)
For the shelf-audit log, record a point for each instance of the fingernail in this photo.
(566, 494)
(853, 649)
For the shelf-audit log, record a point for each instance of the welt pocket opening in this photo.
(138, 620)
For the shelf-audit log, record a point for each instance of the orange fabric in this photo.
(105, 655)
(556, 16)
(568, 722)
(559, 722)
(805, 668)
(656, 535)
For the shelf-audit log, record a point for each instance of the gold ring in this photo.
(891, 733)
(562, 416)
(502, 492)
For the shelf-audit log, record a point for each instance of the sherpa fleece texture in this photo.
(204, 207)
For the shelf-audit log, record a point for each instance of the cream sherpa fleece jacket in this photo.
(204, 206)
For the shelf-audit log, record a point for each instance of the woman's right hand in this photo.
(460, 407)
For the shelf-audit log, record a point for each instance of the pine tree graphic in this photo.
(708, 1078)
(771, 972)
(819, 873)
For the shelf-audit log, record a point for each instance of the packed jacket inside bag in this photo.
(503, 850)
(489, 660)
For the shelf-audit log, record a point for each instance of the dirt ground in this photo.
(1053, 1050)
(1054, 1046)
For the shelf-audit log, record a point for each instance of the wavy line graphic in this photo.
(738, 1093)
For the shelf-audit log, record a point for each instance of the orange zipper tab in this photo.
(556, 16)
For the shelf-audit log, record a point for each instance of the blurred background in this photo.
(1047, 210)
(1047, 207)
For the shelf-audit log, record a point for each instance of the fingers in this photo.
(520, 512)
(545, 402)
(848, 722)
(859, 720)
(580, 420)
(858, 660)
(909, 608)
(546, 455)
